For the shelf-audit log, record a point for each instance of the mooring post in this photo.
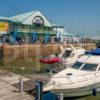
(38, 90)
(60, 96)
(21, 85)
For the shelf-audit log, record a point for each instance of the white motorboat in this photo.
(80, 79)
(71, 53)
(68, 56)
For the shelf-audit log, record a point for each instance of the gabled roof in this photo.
(22, 17)
(27, 18)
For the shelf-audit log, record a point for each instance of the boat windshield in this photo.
(67, 53)
(77, 65)
(89, 67)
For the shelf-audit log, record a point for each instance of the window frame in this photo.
(79, 67)
(91, 64)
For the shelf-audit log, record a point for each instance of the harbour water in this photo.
(16, 68)
(51, 96)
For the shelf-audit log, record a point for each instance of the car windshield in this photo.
(89, 67)
(77, 65)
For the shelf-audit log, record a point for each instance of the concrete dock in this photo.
(7, 89)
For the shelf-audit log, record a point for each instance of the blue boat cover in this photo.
(94, 52)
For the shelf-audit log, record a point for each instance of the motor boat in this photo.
(81, 79)
(70, 54)
(67, 57)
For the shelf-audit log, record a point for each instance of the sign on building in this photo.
(38, 20)
(3, 27)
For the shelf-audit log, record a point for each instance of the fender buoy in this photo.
(94, 92)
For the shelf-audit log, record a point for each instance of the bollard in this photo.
(21, 85)
(38, 90)
(60, 96)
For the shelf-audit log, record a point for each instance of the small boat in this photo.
(71, 54)
(49, 60)
(81, 79)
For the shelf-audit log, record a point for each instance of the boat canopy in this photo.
(94, 52)
(50, 60)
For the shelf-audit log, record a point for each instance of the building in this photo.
(59, 30)
(25, 27)
(70, 37)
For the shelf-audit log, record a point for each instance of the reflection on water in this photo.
(90, 97)
(29, 68)
(51, 96)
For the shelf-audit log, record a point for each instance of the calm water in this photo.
(51, 96)
(16, 65)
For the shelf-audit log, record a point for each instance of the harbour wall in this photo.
(21, 51)
(28, 56)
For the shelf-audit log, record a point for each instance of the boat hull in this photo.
(77, 92)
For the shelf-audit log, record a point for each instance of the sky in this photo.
(77, 16)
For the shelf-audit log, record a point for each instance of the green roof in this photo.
(27, 18)
(7, 19)
(22, 17)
